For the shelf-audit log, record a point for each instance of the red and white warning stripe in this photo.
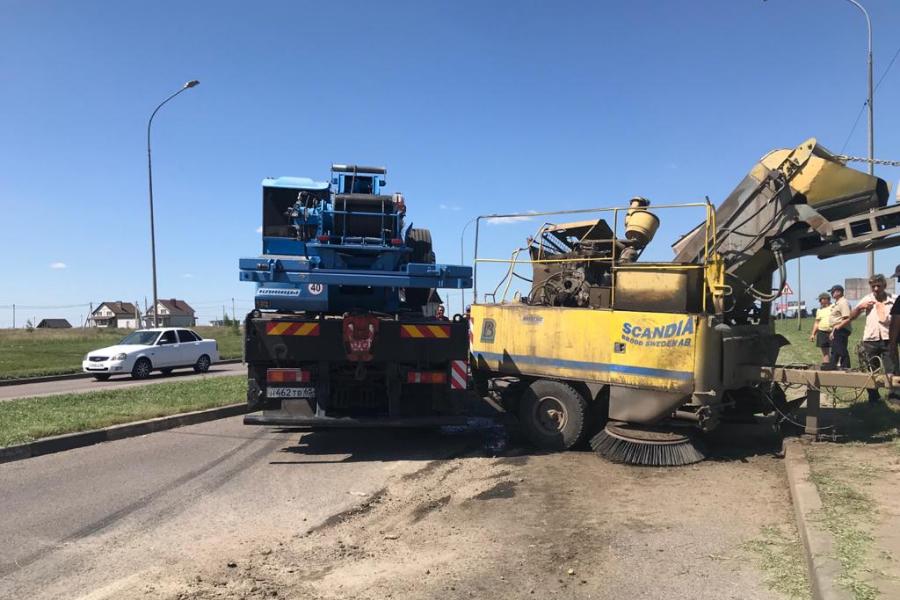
(458, 375)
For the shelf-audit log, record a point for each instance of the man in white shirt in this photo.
(876, 335)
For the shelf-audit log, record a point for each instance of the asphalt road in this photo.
(75, 386)
(92, 522)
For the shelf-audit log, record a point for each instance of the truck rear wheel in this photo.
(420, 242)
(553, 415)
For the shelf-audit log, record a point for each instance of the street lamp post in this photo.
(186, 86)
(871, 107)
(462, 261)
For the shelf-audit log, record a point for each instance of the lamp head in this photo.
(191, 83)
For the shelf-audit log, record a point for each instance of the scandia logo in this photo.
(658, 332)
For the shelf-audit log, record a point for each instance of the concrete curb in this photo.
(49, 378)
(70, 441)
(824, 568)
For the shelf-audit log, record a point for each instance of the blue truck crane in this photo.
(343, 331)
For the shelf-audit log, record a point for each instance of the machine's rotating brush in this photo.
(647, 446)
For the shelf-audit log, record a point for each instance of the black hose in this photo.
(782, 274)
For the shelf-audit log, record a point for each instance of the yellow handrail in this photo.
(708, 242)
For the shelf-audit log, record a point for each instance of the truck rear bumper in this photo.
(286, 419)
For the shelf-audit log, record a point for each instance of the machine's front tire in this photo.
(553, 415)
(141, 369)
(202, 364)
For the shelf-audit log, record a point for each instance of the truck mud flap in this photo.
(285, 419)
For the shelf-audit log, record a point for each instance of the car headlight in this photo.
(119, 356)
(86, 356)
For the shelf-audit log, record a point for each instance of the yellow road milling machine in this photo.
(642, 357)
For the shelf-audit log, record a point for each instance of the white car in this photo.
(146, 350)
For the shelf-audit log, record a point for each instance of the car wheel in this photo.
(141, 369)
(202, 364)
(166, 371)
(101, 377)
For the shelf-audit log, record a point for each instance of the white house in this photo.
(172, 313)
(121, 315)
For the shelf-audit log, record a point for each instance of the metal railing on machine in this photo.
(615, 242)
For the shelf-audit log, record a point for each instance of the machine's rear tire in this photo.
(553, 415)
(141, 369)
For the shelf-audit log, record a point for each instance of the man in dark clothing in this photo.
(840, 328)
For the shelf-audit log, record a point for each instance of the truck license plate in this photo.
(308, 392)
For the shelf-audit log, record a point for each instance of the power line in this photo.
(886, 71)
(44, 306)
(853, 129)
(866, 103)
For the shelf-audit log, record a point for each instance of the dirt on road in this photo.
(530, 526)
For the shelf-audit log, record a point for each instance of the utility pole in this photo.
(14, 316)
(233, 312)
(462, 261)
(870, 104)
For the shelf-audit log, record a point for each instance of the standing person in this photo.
(821, 331)
(894, 339)
(878, 306)
(840, 328)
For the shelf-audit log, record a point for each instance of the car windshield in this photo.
(140, 338)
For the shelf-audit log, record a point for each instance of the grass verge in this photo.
(28, 419)
(803, 351)
(60, 351)
(779, 554)
(847, 513)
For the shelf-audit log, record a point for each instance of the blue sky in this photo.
(474, 107)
